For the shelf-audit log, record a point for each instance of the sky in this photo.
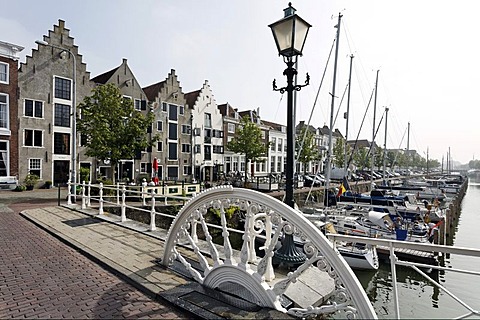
(423, 51)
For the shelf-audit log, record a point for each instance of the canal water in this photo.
(418, 297)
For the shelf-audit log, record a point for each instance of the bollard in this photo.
(58, 186)
(123, 214)
(69, 196)
(153, 226)
(100, 193)
(84, 205)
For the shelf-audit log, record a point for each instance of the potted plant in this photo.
(48, 184)
(30, 181)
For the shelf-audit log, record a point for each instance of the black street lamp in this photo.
(290, 34)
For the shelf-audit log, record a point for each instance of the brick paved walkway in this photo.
(40, 277)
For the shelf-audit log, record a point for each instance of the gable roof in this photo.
(104, 77)
(152, 90)
(191, 97)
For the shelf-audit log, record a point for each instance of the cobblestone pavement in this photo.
(40, 277)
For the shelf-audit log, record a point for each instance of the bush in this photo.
(20, 188)
(31, 180)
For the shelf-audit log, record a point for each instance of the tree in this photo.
(248, 141)
(362, 158)
(111, 127)
(339, 153)
(309, 151)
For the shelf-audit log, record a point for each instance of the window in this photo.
(272, 164)
(159, 146)
(4, 72)
(164, 106)
(263, 135)
(143, 167)
(273, 144)
(231, 128)
(35, 167)
(185, 129)
(3, 159)
(159, 125)
(280, 142)
(197, 148)
(62, 115)
(182, 110)
(4, 122)
(208, 120)
(33, 108)
(138, 104)
(279, 164)
(172, 131)
(61, 143)
(187, 170)
(62, 88)
(33, 138)
(208, 152)
(172, 173)
(172, 151)
(217, 133)
(208, 136)
(218, 149)
(186, 148)
(173, 112)
(196, 132)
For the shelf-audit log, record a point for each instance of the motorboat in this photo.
(357, 255)
(377, 224)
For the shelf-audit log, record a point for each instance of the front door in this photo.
(61, 169)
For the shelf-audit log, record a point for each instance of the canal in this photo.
(418, 297)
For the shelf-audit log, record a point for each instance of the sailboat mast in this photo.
(329, 154)
(345, 164)
(385, 149)
(373, 135)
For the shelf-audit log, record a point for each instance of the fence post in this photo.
(118, 193)
(84, 206)
(88, 193)
(144, 190)
(153, 226)
(100, 201)
(123, 215)
(69, 197)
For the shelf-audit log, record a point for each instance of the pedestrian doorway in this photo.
(61, 170)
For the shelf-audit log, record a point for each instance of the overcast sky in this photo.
(425, 52)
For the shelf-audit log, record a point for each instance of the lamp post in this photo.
(290, 34)
(74, 111)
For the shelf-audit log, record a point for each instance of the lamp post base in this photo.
(289, 255)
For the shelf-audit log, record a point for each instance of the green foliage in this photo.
(339, 153)
(248, 141)
(113, 129)
(474, 164)
(84, 174)
(361, 158)
(309, 151)
(31, 180)
(20, 188)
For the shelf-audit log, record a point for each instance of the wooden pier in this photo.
(408, 255)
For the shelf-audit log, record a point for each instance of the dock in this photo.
(408, 255)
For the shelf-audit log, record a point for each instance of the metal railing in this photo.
(394, 261)
(118, 195)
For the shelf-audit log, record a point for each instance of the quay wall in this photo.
(453, 211)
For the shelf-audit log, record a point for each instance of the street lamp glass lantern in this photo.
(290, 33)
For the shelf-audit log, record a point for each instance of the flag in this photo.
(343, 187)
(432, 228)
